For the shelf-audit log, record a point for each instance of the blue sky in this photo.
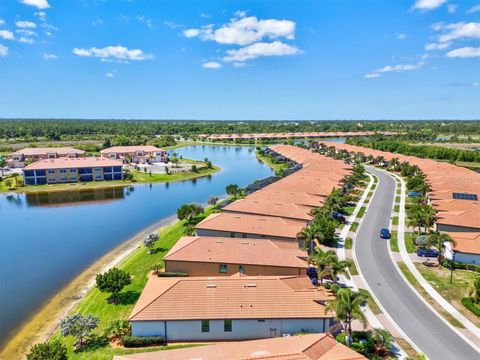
(319, 59)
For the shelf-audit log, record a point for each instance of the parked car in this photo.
(338, 216)
(385, 233)
(414, 194)
(351, 203)
(428, 252)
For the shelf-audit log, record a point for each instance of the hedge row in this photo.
(136, 341)
(470, 305)
(171, 274)
(461, 266)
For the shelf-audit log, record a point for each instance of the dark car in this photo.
(385, 233)
(428, 253)
(338, 216)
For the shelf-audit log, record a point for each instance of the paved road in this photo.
(419, 323)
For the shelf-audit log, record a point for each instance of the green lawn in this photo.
(397, 199)
(267, 160)
(354, 226)
(352, 268)
(395, 220)
(396, 208)
(370, 301)
(361, 212)
(411, 279)
(348, 243)
(394, 241)
(374, 186)
(410, 242)
(138, 264)
(439, 278)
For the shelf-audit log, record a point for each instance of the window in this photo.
(98, 177)
(73, 170)
(223, 269)
(205, 325)
(51, 171)
(465, 196)
(261, 320)
(63, 171)
(241, 269)
(227, 325)
(98, 169)
(74, 178)
(232, 234)
(244, 236)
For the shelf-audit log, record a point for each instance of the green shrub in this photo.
(470, 305)
(136, 341)
(171, 274)
(461, 266)
(52, 350)
(341, 338)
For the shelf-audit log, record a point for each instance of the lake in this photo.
(47, 239)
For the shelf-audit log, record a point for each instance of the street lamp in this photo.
(451, 257)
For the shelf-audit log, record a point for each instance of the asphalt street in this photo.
(434, 338)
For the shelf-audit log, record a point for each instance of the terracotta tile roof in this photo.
(130, 149)
(245, 297)
(301, 198)
(306, 347)
(269, 207)
(47, 150)
(290, 135)
(467, 242)
(269, 226)
(67, 163)
(444, 179)
(237, 251)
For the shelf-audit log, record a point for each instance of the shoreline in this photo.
(43, 322)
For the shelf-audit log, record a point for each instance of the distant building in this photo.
(216, 256)
(68, 170)
(230, 308)
(305, 347)
(138, 154)
(18, 158)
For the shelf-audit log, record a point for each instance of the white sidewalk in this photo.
(421, 280)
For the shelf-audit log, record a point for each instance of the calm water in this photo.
(46, 240)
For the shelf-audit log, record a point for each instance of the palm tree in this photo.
(16, 176)
(382, 341)
(3, 162)
(474, 289)
(438, 240)
(347, 307)
(337, 267)
(320, 258)
(308, 235)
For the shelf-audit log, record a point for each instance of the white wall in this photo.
(191, 330)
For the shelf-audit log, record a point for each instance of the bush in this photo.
(341, 338)
(136, 341)
(470, 305)
(461, 266)
(171, 274)
(52, 350)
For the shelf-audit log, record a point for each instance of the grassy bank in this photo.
(139, 177)
(267, 160)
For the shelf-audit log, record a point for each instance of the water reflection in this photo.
(83, 196)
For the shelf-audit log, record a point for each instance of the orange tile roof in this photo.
(252, 224)
(130, 149)
(48, 150)
(237, 251)
(296, 197)
(291, 135)
(67, 163)
(305, 347)
(243, 297)
(467, 242)
(269, 207)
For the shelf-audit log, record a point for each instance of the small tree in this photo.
(8, 183)
(212, 200)
(113, 281)
(118, 328)
(189, 211)
(474, 289)
(52, 350)
(232, 189)
(79, 326)
(382, 342)
(150, 240)
(194, 168)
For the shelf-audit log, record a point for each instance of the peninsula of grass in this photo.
(138, 264)
(139, 177)
(268, 160)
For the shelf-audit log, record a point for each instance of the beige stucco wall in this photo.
(212, 269)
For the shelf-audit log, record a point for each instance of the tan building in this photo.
(230, 308)
(306, 347)
(137, 154)
(217, 256)
(18, 158)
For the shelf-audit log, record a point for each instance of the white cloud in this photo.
(3, 50)
(26, 40)
(458, 31)
(253, 51)
(6, 35)
(452, 8)
(398, 68)
(143, 20)
(172, 25)
(25, 32)
(428, 4)
(244, 31)
(371, 76)
(465, 52)
(49, 56)
(474, 9)
(212, 65)
(437, 46)
(115, 52)
(240, 13)
(97, 21)
(400, 36)
(41, 15)
(2, 21)
(40, 4)
(26, 24)
(190, 33)
(476, 83)
(109, 74)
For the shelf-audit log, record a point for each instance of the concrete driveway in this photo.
(434, 338)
